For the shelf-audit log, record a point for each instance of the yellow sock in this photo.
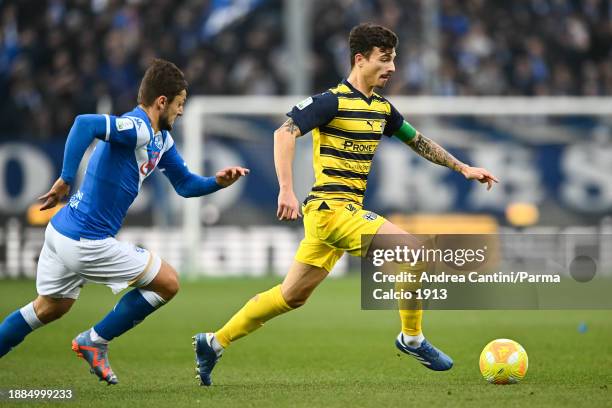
(411, 321)
(411, 311)
(253, 315)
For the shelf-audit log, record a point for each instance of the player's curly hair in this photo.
(162, 78)
(364, 37)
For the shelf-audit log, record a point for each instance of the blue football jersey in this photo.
(128, 153)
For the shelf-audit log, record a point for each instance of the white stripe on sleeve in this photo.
(107, 128)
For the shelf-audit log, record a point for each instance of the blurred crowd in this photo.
(530, 47)
(59, 58)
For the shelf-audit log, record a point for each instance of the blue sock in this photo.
(12, 331)
(131, 309)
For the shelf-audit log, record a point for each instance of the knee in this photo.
(165, 283)
(172, 286)
(48, 310)
(297, 302)
(296, 298)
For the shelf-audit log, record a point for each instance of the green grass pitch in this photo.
(327, 354)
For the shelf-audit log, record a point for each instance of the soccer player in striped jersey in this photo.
(79, 242)
(347, 123)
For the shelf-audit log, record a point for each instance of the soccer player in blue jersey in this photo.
(79, 242)
(347, 124)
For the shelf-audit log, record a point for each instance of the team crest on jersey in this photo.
(370, 216)
(124, 124)
(158, 141)
(304, 103)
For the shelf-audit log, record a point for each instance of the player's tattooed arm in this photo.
(291, 127)
(435, 153)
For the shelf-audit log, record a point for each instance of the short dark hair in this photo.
(364, 37)
(162, 78)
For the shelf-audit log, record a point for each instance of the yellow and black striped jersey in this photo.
(346, 129)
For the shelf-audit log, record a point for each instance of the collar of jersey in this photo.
(139, 112)
(358, 92)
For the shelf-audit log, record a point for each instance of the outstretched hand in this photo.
(59, 190)
(228, 176)
(480, 174)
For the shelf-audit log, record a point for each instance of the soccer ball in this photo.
(503, 361)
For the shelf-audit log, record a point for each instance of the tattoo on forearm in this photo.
(291, 127)
(435, 153)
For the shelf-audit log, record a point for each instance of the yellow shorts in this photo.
(332, 228)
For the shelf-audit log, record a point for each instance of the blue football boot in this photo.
(206, 357)
(426, 354)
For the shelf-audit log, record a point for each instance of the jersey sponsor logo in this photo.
(148, 166)
(124, 124)
(370, 216)
(304, 103)
(358, 147)
(357, 166)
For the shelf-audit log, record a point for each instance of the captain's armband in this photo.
(406, 132)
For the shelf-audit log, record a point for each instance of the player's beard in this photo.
(164, 122)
